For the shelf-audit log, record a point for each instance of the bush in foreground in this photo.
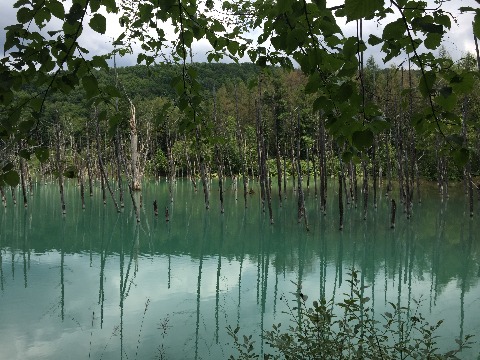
(317, 332)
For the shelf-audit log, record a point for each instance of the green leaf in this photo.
(362, 139)
(426, 25)
(362, 9)
(374, 40)
(25, 126)
(24, 154)
(378, 124)
(98, 23)
(347, 156)
(426, 83)
(90, 85)
(99, 62)
(394, 30)
(322, 103)
(112, 91)
(463, 82)
(217, 26)
(113, 123)
(8, 167)
(70, 172)
(344, 92)
(433, 41)
(56, 8)
(94, 5)
(110, 5)
(313, 83)
(11, 178)
(75, 13)
(21, 3)
(461, 156)
(42, 154)
(350, 47)
(25, 15)
(476, 24)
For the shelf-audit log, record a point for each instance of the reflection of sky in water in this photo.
(32, 327)
(433, 258)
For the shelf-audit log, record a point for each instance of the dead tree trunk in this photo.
(89, 166)
(393, 210)
(203, 170)
(365, 189)
(467, 168)
(340, 198)
(59, 163)
(259, 158)
(103, 175)
(279, 166)
(374, 173)
(119, 172)
(135, 157)
(323, 168)
(4, 198)
(301, 198)
(22, 175)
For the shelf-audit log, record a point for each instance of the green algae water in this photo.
(95, 284)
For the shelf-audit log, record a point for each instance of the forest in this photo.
(260, 124)
(309, 106)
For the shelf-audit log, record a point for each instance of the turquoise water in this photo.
(94, 284)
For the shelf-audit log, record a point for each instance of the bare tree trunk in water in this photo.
(259, 157)
(14, 197)
(22, 175)
(389, 165)
(136, 179)
(59, 163)
(241, 147)
(467, 167)
(301, 199)
(218, 153)
(323, 168)
(374, 170)
(119, 172)
(103, 175)
(4, 198)
(340, 198)
(134, 195)
(365, 189)
(393, 210)
(220, 178)
(203, 171)
(284, 156)
(308, 168)
(89, 167)
(279, 165)
(314, 163)
(355, 184)
(82, 185)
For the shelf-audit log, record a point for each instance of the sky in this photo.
(458, 42)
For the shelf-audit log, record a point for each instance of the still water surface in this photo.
(95, 285)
